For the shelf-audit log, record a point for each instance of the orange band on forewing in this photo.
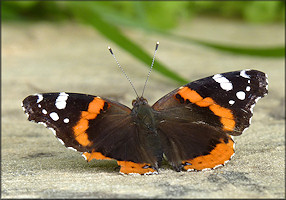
(79, 130)
(81, 127)
(128, 167)
(206, 102)
(221, 153)
(228, 124)
(83, 139)
(189, 94)
(221, 111)
(96, 105)
(226, 116)
(95, 155)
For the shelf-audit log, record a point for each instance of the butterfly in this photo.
(190, 127)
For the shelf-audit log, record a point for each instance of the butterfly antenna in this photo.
(156, 48)
(123, 71)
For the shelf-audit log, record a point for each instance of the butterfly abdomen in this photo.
(144, 118)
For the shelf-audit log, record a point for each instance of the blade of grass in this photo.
(277, 51)
(250, 51)
(85, 13)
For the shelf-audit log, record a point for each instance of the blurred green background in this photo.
(108, 17)
(163, 15)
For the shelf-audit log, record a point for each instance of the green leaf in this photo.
(87, 14)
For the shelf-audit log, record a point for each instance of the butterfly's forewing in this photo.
(203, 113)
(228, 97)
(100, 128)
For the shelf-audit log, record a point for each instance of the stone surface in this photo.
(45, 57)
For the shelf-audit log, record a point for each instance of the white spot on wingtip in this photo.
(61, 100)
(231, 102)
(40, 97)
(216, 76)
(243, 74)
(66, 120)
(240, 95)
(225, 84)
(247, 88)
(44, 111)
(54, 116)
(190, 170)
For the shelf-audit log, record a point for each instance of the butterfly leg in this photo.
(128, 167)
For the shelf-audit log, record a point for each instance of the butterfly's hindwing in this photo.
(195, 120)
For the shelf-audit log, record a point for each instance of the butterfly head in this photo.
(139, 101)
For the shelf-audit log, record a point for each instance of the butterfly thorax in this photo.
(144, 115)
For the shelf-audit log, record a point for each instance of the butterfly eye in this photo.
(134, 102)
(144, 101)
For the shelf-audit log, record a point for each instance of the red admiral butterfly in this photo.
(191, 127)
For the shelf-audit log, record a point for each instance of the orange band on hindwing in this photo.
(95, 155)
(226, 116)
(217, 157)
(128, 167)
(80, 128)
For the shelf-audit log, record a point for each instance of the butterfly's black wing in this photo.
(100, 128)
(195, 120)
